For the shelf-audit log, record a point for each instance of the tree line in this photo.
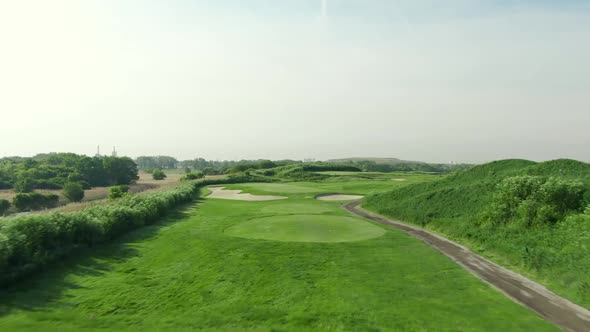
(53, 171)
(207, 167)
(69, 172)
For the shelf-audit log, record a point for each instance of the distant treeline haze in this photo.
(210, 167)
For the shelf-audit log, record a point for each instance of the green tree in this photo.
(73, 191)
(4, 206)
(120, 170)
(92, 170)
(159, 175)
(24, 184)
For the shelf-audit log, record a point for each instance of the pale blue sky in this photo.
(461, 80)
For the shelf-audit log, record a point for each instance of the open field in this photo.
(207, 268)
(99, 195)
(144, 183)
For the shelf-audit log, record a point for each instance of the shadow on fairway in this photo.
(39, 291)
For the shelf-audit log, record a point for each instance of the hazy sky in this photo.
(455, 80)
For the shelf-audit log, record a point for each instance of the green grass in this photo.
(188, 273)
(306, 228)
(556, 256)
(347, 183)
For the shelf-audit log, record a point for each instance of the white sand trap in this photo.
(400, 180)
(236, 195)
(336, 197)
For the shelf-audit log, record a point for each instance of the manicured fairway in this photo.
(190, 273)
(307, 228)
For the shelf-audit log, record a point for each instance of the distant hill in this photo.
(376, 160)
(399, 165)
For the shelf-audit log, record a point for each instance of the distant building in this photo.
(97, 152)
(114, 154)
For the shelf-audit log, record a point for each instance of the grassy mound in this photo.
(307, 228)
(524, 214)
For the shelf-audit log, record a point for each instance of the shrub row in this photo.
(28, 243)
(192, 176)
(35, 201)
(535, 200)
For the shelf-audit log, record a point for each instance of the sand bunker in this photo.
(399, 180)
(338, 197)
(236, 195)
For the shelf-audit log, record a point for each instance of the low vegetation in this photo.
(305, 172)
(34, 202)
(73, 191)
(4, 206)
(192, 176)
(531, 216)
(116, 192)
(30, 242)
(158, 174)
(214, 267)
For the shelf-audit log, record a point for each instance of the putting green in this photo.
(306, 228)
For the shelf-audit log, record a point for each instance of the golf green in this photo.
(306, 228)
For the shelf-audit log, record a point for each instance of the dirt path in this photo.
(548, 305)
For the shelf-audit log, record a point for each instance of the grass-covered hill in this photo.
(399, 165)
(531, 216)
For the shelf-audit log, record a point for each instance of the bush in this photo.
(536, 200)
(211, 171)
(192, 176)
(117, 192)
(30, 242)
(51, 184)
(4, 206)
(73, 191)
(34, 201)
(159, 175)
(268, 172)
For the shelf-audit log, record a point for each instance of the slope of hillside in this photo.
(523, 214)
